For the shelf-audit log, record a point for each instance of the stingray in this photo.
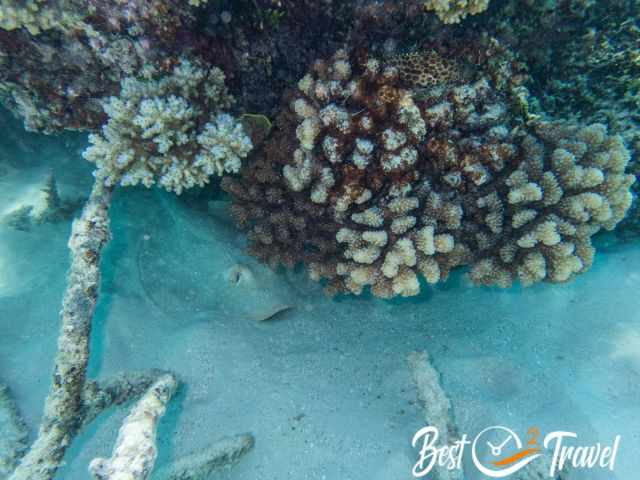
(192, 262)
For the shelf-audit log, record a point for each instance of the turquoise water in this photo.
(323, 386)
(368, 142)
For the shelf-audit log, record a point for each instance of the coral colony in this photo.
(169, 131)
(409, 138)
(383, 185)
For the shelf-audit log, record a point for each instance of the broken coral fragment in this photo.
(40, 205)
(135, 452)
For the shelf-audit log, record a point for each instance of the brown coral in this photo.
(284, 226)
(378, 187)
(570, 182)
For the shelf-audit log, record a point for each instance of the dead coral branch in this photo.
(63, 407)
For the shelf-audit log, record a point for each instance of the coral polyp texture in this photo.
(425, 68)
(381, 186)
(59, 57)
(39, 15)
(453, 11)
(169, 129)
(569, 183)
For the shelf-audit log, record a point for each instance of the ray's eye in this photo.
(235, 276)
(238, 274)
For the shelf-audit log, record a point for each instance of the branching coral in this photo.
(354, 204)
(74, 400)
(593, 76)
(38, 15)
(169, 130)
(63, 411)
(45, 206)
(59, 57)
(569, 183)
(452, 11)
(381, 186)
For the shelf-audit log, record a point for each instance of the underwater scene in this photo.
(319, 239)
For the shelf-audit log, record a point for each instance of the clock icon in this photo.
(495, 441)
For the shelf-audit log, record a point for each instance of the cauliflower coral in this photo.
(373, 187)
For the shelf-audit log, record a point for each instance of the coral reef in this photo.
(593, 77)
(453, 11)
(382, 185)
(54, 79)
(169, 130)
(54, 83)
(38, 15)
(71, 53)
(135, 452)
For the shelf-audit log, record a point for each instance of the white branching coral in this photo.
(169, 130)
(38, 15)
(452, 11)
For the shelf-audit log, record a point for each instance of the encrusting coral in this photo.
(382, 185)
(453, 11)
(170, 130)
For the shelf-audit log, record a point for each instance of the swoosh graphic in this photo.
(516, 457)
